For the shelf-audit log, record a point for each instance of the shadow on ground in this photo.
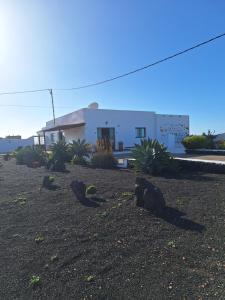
(150, 197)
(89, 202)
(176, 218)
(53, 187)
(189, 176)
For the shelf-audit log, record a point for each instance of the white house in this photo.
(120, 126)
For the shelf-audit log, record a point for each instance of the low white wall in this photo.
(8, 145)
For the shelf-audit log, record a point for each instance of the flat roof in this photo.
(62, 127)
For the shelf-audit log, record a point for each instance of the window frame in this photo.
(138, 130)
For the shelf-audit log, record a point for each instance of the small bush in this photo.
(30, 156)
(104, 160)
(54, 258)
(39, 238)
(198, 142)
(48, 182)
(220, 145)
(78, 161)
(104, 145)
(91, 190)
(89, 278)
(35, 280)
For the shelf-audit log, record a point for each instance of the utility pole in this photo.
(53, 107)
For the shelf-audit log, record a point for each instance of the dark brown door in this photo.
(107, 133)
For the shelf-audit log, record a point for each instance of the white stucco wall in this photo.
(74, 134)
(171, 130)
(9, 145)
(124, 123)
(69, 135)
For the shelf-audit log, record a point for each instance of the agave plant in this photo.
(80, 150)
(60, 151)
(151, 157)
(58, 157)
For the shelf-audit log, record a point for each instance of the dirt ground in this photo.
(106, 248)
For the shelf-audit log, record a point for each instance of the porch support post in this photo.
(45, 146)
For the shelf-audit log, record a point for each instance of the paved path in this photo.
(220, 162)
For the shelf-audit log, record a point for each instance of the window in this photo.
(52, 137)
(140, 132)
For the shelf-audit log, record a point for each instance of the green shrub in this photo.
(104, 160)
(79, 150)
(151, 157)
(39, 238)
(60, 151)
(48, 182)
(198, 142)
(58, 157)
(14, 153)
(31, 155)
(35, 280)
(220, 145)
(78, 161)
(91, 190)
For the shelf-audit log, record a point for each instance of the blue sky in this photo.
(57, 44)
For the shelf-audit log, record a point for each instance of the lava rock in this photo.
(48, 182)
(148, 196)
(79, 189)
(55, 166)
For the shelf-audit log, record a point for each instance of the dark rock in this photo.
(56, 166)
(79, 189)
(148, 196)
(139, 195)
(47, 182)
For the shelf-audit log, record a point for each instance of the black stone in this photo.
(79, 189)
(148, 196)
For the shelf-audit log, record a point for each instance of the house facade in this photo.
(120, 126)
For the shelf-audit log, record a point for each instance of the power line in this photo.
(23, 92)
(122, 75)
(147, 66)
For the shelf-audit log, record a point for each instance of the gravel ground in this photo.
(106, 248)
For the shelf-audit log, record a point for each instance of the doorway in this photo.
(107, 133)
